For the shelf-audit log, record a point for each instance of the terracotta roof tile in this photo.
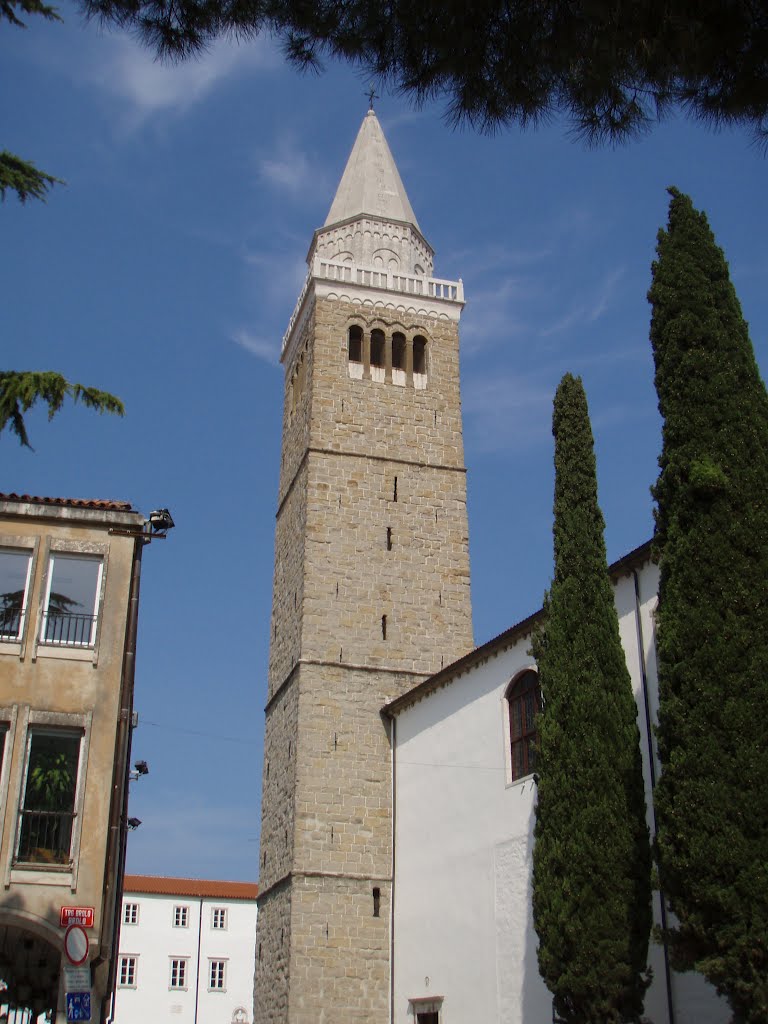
(201, 887)
(98, 503)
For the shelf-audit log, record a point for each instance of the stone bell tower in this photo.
(371, 587)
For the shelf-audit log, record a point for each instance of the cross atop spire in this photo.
(371, 184)
(372, 95)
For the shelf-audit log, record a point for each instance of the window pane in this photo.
(69, 617)
(516, 716)
(48, 810)
(14, 570)
(530, 711)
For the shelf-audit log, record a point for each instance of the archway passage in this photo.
(29, 971)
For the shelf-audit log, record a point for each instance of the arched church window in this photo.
(355, 344)
(377, 348)
(523, 703)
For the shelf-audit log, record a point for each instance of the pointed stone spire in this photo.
(371, 245)
(371, 184)
(371, 222)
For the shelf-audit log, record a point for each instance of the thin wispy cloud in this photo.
(128, 71)
(586, 312)
(506, 412)
(491, 322)
(289, 169)
(266, 349)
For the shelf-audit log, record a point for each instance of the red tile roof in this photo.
(100, 503)
(201, 887)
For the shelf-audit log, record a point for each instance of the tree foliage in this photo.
(611, 66)
(23, 178)
(20, 390)
(712, 542)
(591, 857)
(9, 9)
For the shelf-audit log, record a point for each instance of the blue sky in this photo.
(166, 271)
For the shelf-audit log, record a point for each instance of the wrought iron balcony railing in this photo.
(45, 837)
(11, 624)
(66, 628)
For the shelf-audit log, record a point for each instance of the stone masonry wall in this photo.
(273, 944)
(278, 809)
(371, 594)
(340, 961)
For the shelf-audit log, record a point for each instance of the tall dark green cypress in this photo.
(712, 543)
(591, 858)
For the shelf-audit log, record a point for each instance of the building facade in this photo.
(69, 574)
(187, 950)
(465, 791)
(371, 586)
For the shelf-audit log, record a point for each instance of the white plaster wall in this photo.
(155, 941)
(463, 839)
(462, 919)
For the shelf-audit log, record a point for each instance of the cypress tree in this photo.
(712, 543)
(591, 858)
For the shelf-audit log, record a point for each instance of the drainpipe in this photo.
(197, 970)
(652, 771)
(115, 866)
(393, 740)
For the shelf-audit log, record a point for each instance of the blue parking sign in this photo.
(78, 1006)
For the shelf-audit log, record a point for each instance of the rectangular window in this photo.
(217, 975)
(130, 913)
(47, 812)
(71, 600)
(219, 918)
(178, 977)
(127, 972)
(180, 917)
(14, 587)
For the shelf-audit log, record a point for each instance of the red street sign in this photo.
(76, 915)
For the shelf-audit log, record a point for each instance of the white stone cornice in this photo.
(390, 291)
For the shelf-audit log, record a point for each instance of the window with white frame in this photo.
(71, 600)
(217, 975)
(15, 569)
(178, 978)
(180, 917)
(130, 913)
(219, 919)
(128, 968)
(47, 811)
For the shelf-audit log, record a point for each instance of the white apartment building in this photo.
(187, 951)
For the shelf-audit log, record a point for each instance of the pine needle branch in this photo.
(20, 390)
(23, 178)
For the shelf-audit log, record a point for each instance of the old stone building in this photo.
(69, 591)
(371, 586)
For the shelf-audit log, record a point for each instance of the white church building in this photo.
(464, 810)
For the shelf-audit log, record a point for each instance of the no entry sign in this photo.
(76, 944)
